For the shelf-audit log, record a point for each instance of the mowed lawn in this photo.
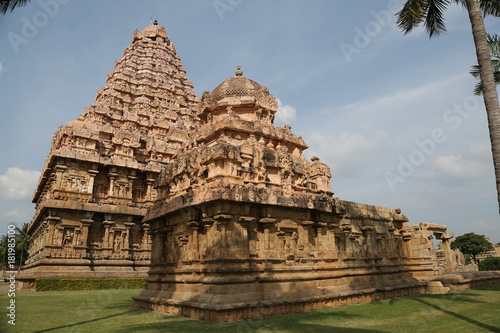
(112, 311)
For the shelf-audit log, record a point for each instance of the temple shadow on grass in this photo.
(459, 316)
(300, 322)
(452, 297)
(74, 325)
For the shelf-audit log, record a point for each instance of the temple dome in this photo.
(153, 32)
(241, 90)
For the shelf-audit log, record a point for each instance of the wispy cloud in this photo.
(404, 96)
(349, 151)
(460, 167)
(17, 183)
(286, 113)
(1, 68)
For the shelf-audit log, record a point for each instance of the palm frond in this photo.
(494, 45)
(490, 7)
(475, 71)
(9, 5)
(478, 89)
(434, 21)
(411, 15)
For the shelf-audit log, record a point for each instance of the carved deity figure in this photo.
(68, 238)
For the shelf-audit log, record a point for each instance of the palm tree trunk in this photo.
(489, 87)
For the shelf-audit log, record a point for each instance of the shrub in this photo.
(490, 264)
(88, 284)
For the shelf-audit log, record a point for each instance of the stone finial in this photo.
(239, 72)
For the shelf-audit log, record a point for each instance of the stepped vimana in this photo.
(210, 202)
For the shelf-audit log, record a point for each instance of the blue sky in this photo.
(392, 115)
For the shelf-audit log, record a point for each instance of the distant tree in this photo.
(494, 44)
(3, 249)
(22, 243)
(6, 5)
(490, 264)
(472, 245)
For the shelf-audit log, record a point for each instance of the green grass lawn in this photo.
(112, 311)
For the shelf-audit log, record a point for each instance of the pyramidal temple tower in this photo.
(97, 180)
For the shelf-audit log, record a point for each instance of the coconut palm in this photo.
(4, 248)
(6, 5)
(22, 243)
(430, 13)
(494, 44)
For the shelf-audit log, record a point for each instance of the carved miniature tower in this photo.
(245, 226)
(97, 181)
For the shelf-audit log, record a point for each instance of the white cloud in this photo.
(480, 149)
(397, 100)
(1, 68)
(17, 183)
(286, 113)
(15, 215)
(459, 167)
(349, 151)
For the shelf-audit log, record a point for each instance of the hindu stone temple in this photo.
(215, 206)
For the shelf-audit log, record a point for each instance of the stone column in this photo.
(368, 233)
(223, 220)
(59, 169)
(406, 237)
(149, 186)
(85, 231)
(267, 223)
(206, 240)
(445, 244)
(131, 179)
(112, 177)
(145, 237)
(92, 175)
(128, 226)
(246, 222)
(193, 226)
(107, 225)
(53, 221)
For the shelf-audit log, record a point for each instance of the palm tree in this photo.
(4, 247)
(6, 5)
(22, 242)
(494, 44)
(430, 13)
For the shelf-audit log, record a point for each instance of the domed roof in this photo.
(154, 30)
(236, 86)
(244, 89)
(151, 32)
